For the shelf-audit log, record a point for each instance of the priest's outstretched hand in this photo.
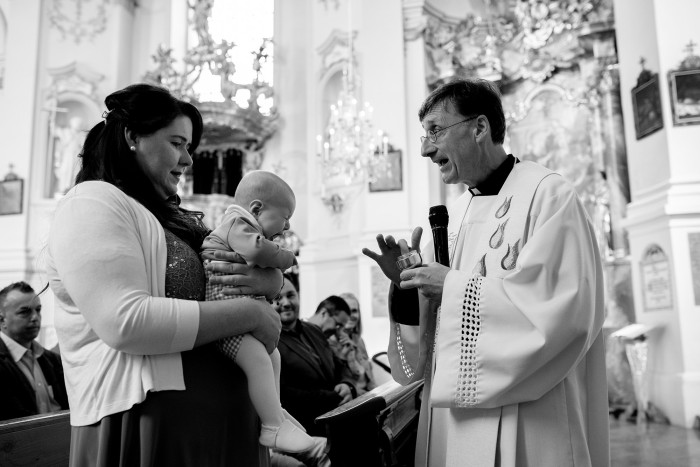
(390, 250)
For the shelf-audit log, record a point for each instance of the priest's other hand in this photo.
(429, 280)
(390, 250)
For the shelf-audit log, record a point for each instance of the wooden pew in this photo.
(378, 429)
(39, 440)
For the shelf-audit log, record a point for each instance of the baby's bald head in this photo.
(266, 187)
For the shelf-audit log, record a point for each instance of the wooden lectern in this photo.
(376, 429)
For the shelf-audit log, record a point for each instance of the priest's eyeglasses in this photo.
(432, 135)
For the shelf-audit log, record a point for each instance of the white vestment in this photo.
(518, 372)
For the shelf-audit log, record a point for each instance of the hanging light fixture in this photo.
(350, 151)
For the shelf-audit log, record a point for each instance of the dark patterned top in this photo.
(184, 273)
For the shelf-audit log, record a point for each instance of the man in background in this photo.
(31, 377)
(331, 314)
(311, 381)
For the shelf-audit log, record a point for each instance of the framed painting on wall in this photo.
(390, 179)
(685, 96)
(11, 196)
(646, 103)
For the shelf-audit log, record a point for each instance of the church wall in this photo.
(155, 22)
(16, 126)
(4, 11)
(287, 153)
(649, 151)
(665, 208)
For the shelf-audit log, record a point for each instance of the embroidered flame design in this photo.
(508, 261)
(497, 237)
(480, 267)
(503, 210)
(451, 239)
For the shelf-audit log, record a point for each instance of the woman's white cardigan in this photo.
(119, 336)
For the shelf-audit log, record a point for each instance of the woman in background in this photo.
(361, 367)
(143, 386)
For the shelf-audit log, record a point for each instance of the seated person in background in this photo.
(311, 381)
(332, 314)
(359, 365)
(31, 377)
(263, 204)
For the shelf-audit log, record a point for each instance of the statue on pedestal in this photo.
(68, 144)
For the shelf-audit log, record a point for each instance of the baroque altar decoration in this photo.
(236, 122)
(512, 40)
(555, 63)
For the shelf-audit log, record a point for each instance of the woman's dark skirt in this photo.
(212, 423)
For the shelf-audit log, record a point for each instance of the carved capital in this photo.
(414, 20)
(335, 49)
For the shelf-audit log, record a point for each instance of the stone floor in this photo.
(652, 444)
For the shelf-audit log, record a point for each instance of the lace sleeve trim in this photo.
(405, 366)
(467, 390)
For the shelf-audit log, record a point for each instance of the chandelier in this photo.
(350, 151)
(243, 116)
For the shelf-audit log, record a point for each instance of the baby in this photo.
(263, 204)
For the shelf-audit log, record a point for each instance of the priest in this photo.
(508, 339)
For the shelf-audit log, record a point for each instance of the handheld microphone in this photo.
(438, 218)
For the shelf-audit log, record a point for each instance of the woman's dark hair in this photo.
(144, 109)
(471, 97)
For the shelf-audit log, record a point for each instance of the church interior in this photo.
(325, 93)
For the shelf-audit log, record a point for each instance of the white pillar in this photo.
(24, 37)
(665, 209)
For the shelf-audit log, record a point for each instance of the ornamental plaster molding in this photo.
(335, 50)
(80, 19)
(414, 21)
(76, 78)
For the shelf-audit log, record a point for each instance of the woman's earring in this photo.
(133, 148)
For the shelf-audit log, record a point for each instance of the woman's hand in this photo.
(241, 279)
(268, 328)
(244, 315)
(346, 347)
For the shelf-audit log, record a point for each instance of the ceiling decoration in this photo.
(79, 19)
